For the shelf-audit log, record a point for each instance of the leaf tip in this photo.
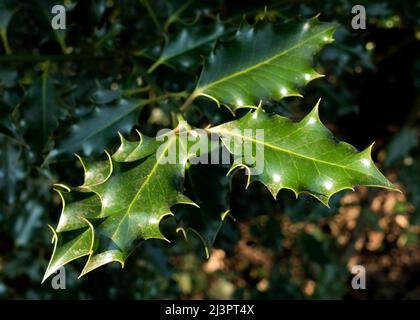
(59, 187)
(181, 230)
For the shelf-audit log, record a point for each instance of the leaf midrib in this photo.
(107, 125)
(143, 185)
(198, 44)
(199, 90)
(289, 151)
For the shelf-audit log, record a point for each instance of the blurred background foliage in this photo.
(70, 91)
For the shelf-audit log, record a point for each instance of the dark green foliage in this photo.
(127, 65)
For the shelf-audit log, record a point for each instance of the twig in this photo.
(187, 103)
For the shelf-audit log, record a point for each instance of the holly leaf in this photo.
(209, 187)
(42, 110)
(121, 202)
(6, 14)
(264, 62)
(102, 96)
(401, 145)
(184, 50)
(94, 132)
(302, 156)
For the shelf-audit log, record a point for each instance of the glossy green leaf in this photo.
(94, 132)
(6, 14)
(42, 110)
(264, 62)
(185, 49)
(105, 96)
(401, 145)
(302, 156)
(206, 220)
(121, 202)
(43, 9)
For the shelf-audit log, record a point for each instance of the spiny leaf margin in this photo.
(85, 213)
(285, 174)
(236, 85)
